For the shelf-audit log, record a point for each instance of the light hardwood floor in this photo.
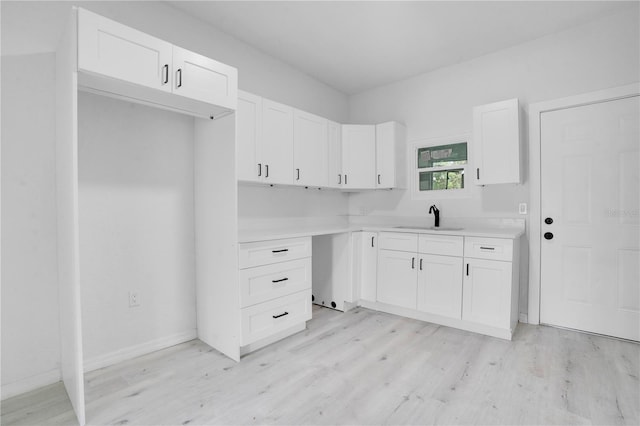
(363, 367)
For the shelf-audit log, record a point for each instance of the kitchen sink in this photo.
(431, 228)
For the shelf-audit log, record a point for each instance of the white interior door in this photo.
(590, 251)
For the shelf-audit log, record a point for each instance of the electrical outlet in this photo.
(134, 299)
(522, 208)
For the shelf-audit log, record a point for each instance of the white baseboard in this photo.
(125, 354)
(30, 383)
(524, 318)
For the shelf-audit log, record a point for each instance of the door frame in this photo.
(535, 143)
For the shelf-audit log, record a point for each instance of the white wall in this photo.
(280, 205)
(30, 335)
(136, 202)
(601, 54)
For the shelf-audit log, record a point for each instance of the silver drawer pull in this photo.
(280, 280)
(487, 248)
(281, 315)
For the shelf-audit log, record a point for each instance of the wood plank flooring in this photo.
(363, 367)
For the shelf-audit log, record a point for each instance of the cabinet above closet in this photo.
(279, 144)
(117, 60)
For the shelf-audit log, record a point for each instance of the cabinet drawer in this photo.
(446, 245)
(273, 251)
(268, 282)
(398, 241)
(264, 319)
(488, 248)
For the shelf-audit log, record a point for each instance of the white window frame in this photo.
(469, 190)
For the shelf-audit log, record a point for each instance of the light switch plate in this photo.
(522, 208)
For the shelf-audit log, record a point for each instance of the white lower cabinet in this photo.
(440, 285)
(367, 265)
(425, 276)
(268, 282)
(397, 278)
(275, 287)
(491, 287)
(265, 319)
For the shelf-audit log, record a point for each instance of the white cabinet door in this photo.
(359, 156)
(390, 155)
(440, 285)
(397, 278)
(310, 149)
(368, 265)
(204, 79)
(108, 48)
(335, 155)
(276, 149)
(496, 141)
(248, 131)
(487, 292)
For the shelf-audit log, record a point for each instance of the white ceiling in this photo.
(355, 46)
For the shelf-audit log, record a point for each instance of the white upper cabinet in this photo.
(390, 155)
(496, 141)
(279, 144)
(336, 179)
(198, 77)
(359, 156)
(248, 134)
(135, 62)
(109, 48)
(276, 149)
(310, 149)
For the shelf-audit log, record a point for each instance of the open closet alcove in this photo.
(194, 210)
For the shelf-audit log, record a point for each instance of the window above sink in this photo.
(439, 167)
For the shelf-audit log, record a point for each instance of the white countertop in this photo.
(466, 232)
(246, 236)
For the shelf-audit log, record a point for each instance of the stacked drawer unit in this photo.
(275, 286)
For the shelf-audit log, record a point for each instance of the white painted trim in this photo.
(533, 231)
(130, 352)
(523, 319)
(259, 344)
(30, 383)
(501, 333)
